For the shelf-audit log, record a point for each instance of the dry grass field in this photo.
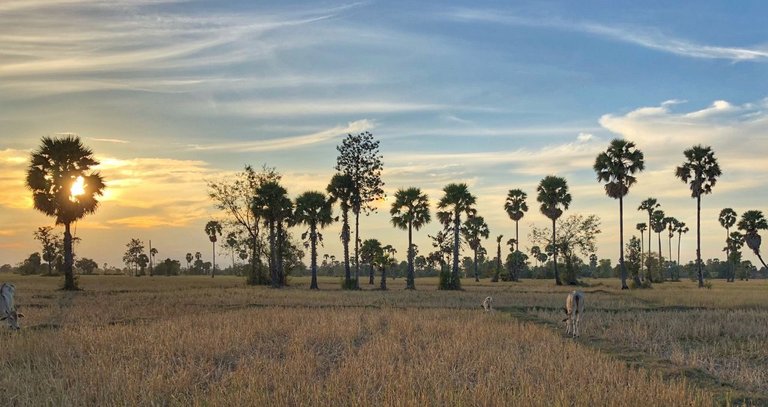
(202, 341)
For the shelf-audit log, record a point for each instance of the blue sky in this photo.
(171, 93)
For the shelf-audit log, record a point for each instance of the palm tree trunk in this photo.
(728, 256)
(272, 255)
(517, 236)
(410, 283)
(280, 246)
(69, 278)
(679, 238)
(670, 257)
(661, 272)
(455, 269)
(371, 275)
(357, 250)
(345, 241)
(383, 285)
(554, 254)
(213, 270)
(642, 252)
(698, 240)
(498, 263)
(621, 247)
(477, 276)
(650, 248)
(313, 256)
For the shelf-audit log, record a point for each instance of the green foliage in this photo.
(168, 267)
(86, 265)
(30, 265)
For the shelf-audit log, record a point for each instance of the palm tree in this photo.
(671, 223)
(212, 229)
(727, 219)
(641, 227)
(616, 167)
(473, 230)
(313, 209)
(649, 205)
(64, 187)
(232, 244)
(659, 224)
(410, 211)
(498, 259)
(189, 259)
(370, 251)
(750, 223)
(152, 253)
(457, 200)
(516, 208)
(700, 171)
(272, 204)
(681, 229)
(553, 194)
(386, 256)
(536, 253)
(340, 190)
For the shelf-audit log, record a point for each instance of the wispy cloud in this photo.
(646, 37)
(109, 140)
(288, 143)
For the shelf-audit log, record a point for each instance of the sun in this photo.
(78, 187)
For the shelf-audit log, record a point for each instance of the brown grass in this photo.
(196, 341)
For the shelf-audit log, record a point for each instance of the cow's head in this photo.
(12, 318)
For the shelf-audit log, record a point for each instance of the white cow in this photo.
(8, 310)
(574, 309)
(487, 304)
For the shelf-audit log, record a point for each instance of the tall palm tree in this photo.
(616, 167)
(64, 187)
(457, 200)
(313, 209)
(272, 204)
(189, 259)
(750, 223)
(659, 224)
(553, 194)
(475, 229)
(341, 190)
(649, 205)
(213, 229)
(409, 211)
(727, 219)
(681, 229)
(700, 171)
(671, 223)
(498, 259)
(642, 227)
(516, 208)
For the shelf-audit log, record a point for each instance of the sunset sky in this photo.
(170, 94)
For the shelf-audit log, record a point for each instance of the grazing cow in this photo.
(574, 309)
(487, 304)
(8, 310)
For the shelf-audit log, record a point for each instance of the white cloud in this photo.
(642, 36)
(584, 137)
(288, 143)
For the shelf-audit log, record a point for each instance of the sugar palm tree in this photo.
(649, 205)
(727, 219)
(64, 187)
(516, 208)
(700, 171)
(456, 201)
(498, 259)
(671, 223)
(385, 257)
(340, 190)
(213, 229)
(370, 250)
(659, 224)
(152, 253)
(313, 209)
(642, 227)
(271, 203)
(751, 222)
(681, 229)
(189, 259)
(616, 167)
(553, 195)
(475, 229)
(409, 211)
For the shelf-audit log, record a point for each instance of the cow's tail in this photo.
(576, 299)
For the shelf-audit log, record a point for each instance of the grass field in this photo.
(202, 341)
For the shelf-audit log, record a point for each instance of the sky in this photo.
(172, 94)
